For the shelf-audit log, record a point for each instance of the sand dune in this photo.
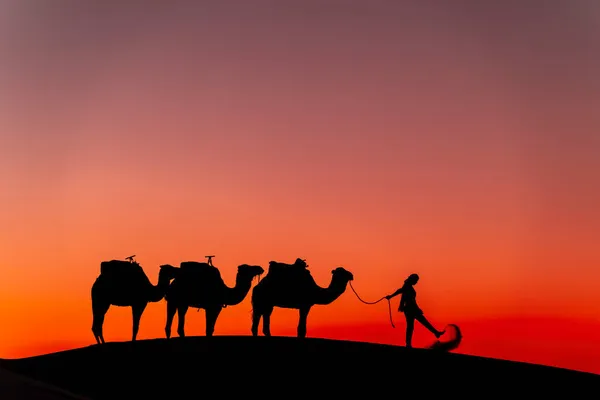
(285, 367)
(14, 386)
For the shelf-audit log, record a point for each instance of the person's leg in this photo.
(421, 318)
(410, 327)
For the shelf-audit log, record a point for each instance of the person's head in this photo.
(412, 279)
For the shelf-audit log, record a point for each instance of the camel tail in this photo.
(253, 303)
(253, 297)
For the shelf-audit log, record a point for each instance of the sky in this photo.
(458, 141)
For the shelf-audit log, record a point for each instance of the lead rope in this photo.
(375, 302)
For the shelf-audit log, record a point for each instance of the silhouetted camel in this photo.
(292, 286)
(200, 285)
(125, 284)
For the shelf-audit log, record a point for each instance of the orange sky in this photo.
(457, 142)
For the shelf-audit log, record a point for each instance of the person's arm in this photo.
(396, 293)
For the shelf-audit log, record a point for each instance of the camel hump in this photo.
(120, 268)
(200, 269)
(298, 267)
(299, 263)
(195, 265)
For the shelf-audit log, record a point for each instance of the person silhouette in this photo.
(412, 312)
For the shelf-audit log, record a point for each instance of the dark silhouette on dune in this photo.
(292, 286)
(200, 285)
(125, 284)
(18, 387)
(412, 312)
(285, 367)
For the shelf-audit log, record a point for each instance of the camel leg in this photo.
(302, 322)
(99, 311)
(255, 321)
(181, 310)
(137, 310)
(212, 313)
(267, 321)
(171, 310)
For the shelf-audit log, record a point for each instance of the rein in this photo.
(375, 302)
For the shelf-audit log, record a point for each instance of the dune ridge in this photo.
(278, 367)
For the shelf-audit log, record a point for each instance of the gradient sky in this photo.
(459, 141)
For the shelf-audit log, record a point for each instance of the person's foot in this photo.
(440, 333)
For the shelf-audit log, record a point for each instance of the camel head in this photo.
(250, 271)
(167, 272)
(342, 274)
(301, 263)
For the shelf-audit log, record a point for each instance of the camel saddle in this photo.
(299, 266)
(119, 268)
(199, 269)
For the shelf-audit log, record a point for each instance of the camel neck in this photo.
(157, 292)
(236, 294)
(332, 292)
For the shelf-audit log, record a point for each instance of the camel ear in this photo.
(333, 271)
